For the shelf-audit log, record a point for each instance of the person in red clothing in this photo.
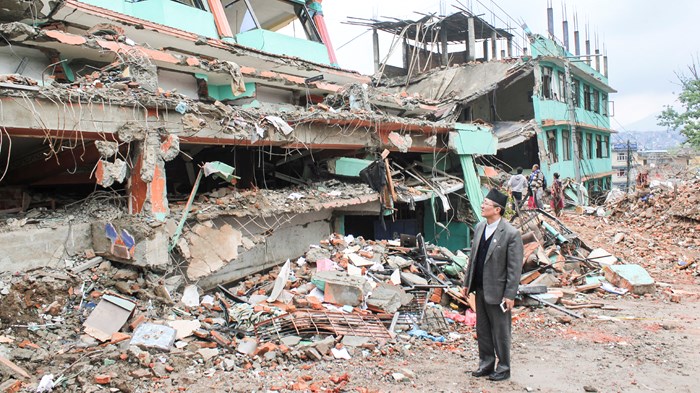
(557, 190)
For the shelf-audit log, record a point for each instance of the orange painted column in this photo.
(148, 196)
(137, 188)
(222, 25)
(316, 11)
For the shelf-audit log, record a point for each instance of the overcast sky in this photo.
(646, 41)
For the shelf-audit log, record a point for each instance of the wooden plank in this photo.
(529, 277)
(587, 287)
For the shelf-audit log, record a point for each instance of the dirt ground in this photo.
(649, 344)
(651, 347)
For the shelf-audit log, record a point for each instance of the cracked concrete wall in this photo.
(272, 244)
(48, 246)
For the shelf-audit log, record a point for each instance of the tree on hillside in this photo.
(687, 121)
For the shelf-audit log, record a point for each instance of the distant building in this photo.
(664, 164)
(624, 165)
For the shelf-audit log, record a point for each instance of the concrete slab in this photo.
(340, 288)
(48, 246)
(631, 277)
(184, 328)
(151, 335)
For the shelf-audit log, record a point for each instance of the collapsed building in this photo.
(524, 98)
(221, 137)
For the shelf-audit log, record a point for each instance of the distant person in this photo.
(557, 191)
(516, 185)
(643, 179)
(536, 183)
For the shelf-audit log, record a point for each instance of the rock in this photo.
(313, 354)
(7, 367)
(247, 346)
(355, 341)
(125, 274)
(208, 353)
(408, 373)
(290, 341)
(190, 296)
(314, 254)
(413, 279)
(631, 277)
(398, 377)
(184, 327)
(589, 388)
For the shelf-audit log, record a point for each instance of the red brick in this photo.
(220, 338)
(119, 337)
(103, 379)
(265, 348)
(136, 321)
(11, 386)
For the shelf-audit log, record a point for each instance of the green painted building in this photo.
(590, 92)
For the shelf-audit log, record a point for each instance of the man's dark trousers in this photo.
(492, 326)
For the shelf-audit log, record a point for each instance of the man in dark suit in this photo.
(494, 274)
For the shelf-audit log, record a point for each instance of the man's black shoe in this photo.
(481, 372)
(499, 376)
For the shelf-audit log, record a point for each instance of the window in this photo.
(605, 104)
(547, 83)
(586, 97)
(622, 156)
(596, 101)
(283, 16)
(621, 172)
(606, 147)
(562, 86)
(192, 3)
(552, 144)
(566, 145)
(579, 144)
(577, 93)
(589, 144)
(599, 146)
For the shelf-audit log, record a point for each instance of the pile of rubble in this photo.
(660, 224)
(101, 323)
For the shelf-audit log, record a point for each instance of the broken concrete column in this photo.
(107, 172)
(147, 189)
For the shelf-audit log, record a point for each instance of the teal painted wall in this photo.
(165, 12)
(556, 110)
(542, 46)
(281, 44)
(588, 166)
(455, 238)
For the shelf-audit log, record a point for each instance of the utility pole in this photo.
(572, 127)
(629, 165)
